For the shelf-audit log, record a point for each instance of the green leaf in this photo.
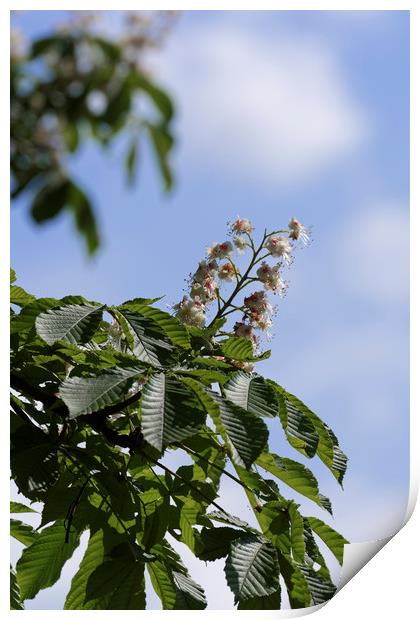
(76, 324)
(50, 200)
(40, 564)
(131, 160)
(33, 460)
(328, 449)
(84, 217)
(188, 517)
(294, 474)
(275, 524)
(297, 587)
(159, 97)
(25, 320)
(207, 377)
(162, 142)
(252, 569)
(299, 430)
(246, 431)
(22, 532)
(16, 507)
(211, 362)
(162, 583)
(215, 542)
(189, 595)
(334, 541)
(272, 601)
(296, 533)
(170, 325)
(172, 583)
(313, 554)
(93, 557)
(12, 275)
(252, 393)
(20, 297)
(224, 517)
(150, 345)
(84, 395)
(237, 348)
(169, 411)
(321, 590)
(122, 579)
(15, 598)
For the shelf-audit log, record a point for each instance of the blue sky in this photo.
(293, 113)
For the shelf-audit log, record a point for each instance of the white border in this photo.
(387, 585)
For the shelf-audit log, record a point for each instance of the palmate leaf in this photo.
(172, 582)
(74, 323)
(321, 589)
(170, 325)
(334, 541)
(299, 430)
(251, 568)
(93, 557)
(84, 395)
(313, 554)
(275, 524)
(296, 584)
(25, 320)
(150, 343)
(252, 393)
(15, 598)
(328, 449)
(40, 564)
(169, 411)
(295, 475)
(247, 432)
(296, 533)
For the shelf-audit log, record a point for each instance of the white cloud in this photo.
(276, 109)
(335, 357)
(373, 254)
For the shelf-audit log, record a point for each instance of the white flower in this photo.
(270, 276)
(262, 322)
(298, 231)
(240, 243)
(190, 311)
(206, 290)
(227, 272)
(204, 270)
(243, 330)
(245, 366)
(257, 302)
(242, 226)
(279, 246)
(220, 250)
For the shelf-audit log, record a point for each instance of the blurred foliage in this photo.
(80, 84)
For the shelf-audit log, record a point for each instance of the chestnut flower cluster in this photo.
(219, 268)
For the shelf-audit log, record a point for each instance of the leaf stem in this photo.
(218, 467)
(173, 473)
(244, 281)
